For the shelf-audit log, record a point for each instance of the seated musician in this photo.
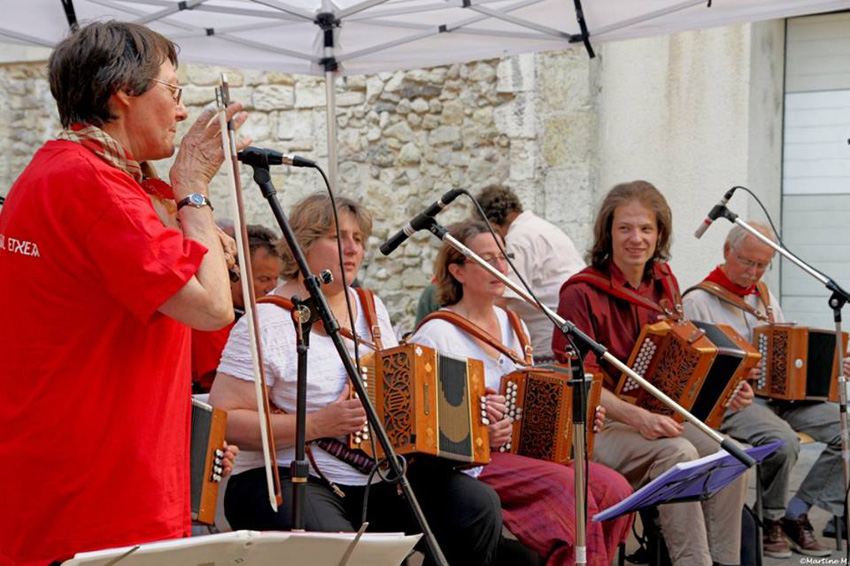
(538, 500)
(631, 245)
(463, 513)
(742, 302)
(265, 267)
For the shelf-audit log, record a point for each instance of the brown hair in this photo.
(498, 203)
(310, 219)
(449, 289)
(98, 60)
(647, 195)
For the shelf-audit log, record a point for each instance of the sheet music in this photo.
(253, 548)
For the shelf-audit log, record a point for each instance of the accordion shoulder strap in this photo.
(602, 282)
(367, 299)
(731, 298)
(474, 330)
(524, 341)
(286, 304)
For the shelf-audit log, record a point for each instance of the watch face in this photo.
(197, 200)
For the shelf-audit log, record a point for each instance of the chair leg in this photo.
(759, 519)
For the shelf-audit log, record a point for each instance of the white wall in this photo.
(694, 114)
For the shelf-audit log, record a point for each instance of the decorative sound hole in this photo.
(540, 419)
(397, 410)
(779, 363)
(675, 365)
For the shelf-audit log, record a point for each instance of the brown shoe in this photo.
(773, 541)
(802, 537)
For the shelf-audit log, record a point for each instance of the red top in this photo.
(95, 403)
(614, 322)
(206, 354)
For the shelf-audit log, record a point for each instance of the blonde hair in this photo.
(310, 219)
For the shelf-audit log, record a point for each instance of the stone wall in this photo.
(404, 139)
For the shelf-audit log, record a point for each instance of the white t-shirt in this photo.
(703, 306)
(325, 382)
(546, 258)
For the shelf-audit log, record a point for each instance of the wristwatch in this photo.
(195, 199)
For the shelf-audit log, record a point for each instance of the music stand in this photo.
(696, 480)
(252, 548)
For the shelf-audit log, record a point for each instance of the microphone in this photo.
(714, 213)
(256, 156)
(419, 221)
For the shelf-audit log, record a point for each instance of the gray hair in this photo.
(737, 233)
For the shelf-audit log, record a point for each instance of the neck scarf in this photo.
(719, 277)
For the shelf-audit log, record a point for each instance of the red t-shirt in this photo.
(206, 354)
(614, 322)
(94, 409)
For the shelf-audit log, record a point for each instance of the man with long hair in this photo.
(629, 257)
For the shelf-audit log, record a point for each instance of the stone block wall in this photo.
(404, 138)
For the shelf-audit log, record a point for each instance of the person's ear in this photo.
(456, 272)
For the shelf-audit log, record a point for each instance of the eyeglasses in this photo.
(176, 91)
(493, 260)
(749, 264)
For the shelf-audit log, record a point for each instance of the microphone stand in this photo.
(319, 309)
(836, 302)
(570, 331)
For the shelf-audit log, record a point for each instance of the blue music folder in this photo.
(696, 480)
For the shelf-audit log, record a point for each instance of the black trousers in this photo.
(464, 513)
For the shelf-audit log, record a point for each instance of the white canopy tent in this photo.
(325, 37)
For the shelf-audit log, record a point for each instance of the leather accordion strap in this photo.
(603, 283)
(524, 341)
(731, 298)
(286, 304)
(367, 299)
(474, 330)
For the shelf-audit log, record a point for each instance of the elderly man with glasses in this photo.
(734, 294)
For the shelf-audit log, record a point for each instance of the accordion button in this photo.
(365, 437)
(798, 363)
(501, 448)
(486, 421)
(508, 446)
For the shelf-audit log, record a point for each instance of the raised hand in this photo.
(200, 155)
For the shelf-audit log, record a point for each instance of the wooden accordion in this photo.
(701, 366)
(797, 362)
(540, 404)
(206, 454)
(428, 402)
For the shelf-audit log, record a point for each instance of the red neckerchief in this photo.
(719, 277)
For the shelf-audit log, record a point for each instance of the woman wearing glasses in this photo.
(538, 503)
(100, 289)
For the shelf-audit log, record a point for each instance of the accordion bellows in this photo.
(429, 404)
(798, 363)
(701, 366)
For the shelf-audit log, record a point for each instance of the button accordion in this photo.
(206, 459)
(701, 366)
(798, 363)
(429, 404)
(540, 404)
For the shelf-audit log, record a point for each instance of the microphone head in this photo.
(256, 156)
